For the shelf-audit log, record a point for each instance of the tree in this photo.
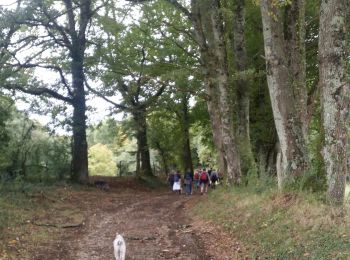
(183, 73)
(32, 152)
(283, 77)
(335, 94)
(132, 69)
(101, 161)
(53, 32)
(208, 31)
(5, 116)
(241, 77)
(175, 108)
(164, 135)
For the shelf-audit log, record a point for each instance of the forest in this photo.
(135, 89)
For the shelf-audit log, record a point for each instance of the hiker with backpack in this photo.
(214, 177)
(204, 181)
(196, 178)
(177, 182)
(188, 181)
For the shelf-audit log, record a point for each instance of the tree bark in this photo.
(335, 94)
(77, 51)
(187, 155)
(242, 88)
(79, 152)
(294, 159)
(215, 125)
(209, 31)
(295, 49)
(141, 136)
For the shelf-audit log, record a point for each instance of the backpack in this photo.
(214, 177)
(204, 176)
(196, 175)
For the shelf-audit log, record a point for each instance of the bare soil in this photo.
(155, 225)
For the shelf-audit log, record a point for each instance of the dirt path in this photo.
(154, 225)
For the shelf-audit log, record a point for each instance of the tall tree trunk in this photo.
(77, 52)
(334, 93)
(294, 159)
(295, 48)
(187, 156)
(141, 136)
(215, 125)
(209, 31)
(80, 148)
(242, 88)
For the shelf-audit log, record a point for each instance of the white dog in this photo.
(119, 247)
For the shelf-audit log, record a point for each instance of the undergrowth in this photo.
(22, 204)
(293, 225)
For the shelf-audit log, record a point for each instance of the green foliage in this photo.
(107, 132)
(33, 153)
(118, 137)
(5, 105)
(163, 135)
(101, 161)
(204, 147)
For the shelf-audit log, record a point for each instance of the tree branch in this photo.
(38, 92)
(71, 20)
(85, 16)
(56, 26)
(180, 7)
(155, 96)
(52, 67)
(97, 93)
(174, 3)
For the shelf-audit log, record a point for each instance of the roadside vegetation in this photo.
(274, 225)
(32, 217)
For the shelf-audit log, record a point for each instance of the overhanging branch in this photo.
(97, 93)
(38, 92)
(174, 3)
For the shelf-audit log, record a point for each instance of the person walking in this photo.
(213, 178)
(188, 181)
(197, 175)
(177, 182)
(204, 181)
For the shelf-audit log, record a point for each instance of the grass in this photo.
(23, 208)
(280, 226)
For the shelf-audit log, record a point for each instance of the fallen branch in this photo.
(58, 225)
(139, 238)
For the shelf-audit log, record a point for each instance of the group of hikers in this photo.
(201, 179)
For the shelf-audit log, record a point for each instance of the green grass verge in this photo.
(280, 226)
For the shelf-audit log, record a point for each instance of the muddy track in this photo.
(154, 225)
